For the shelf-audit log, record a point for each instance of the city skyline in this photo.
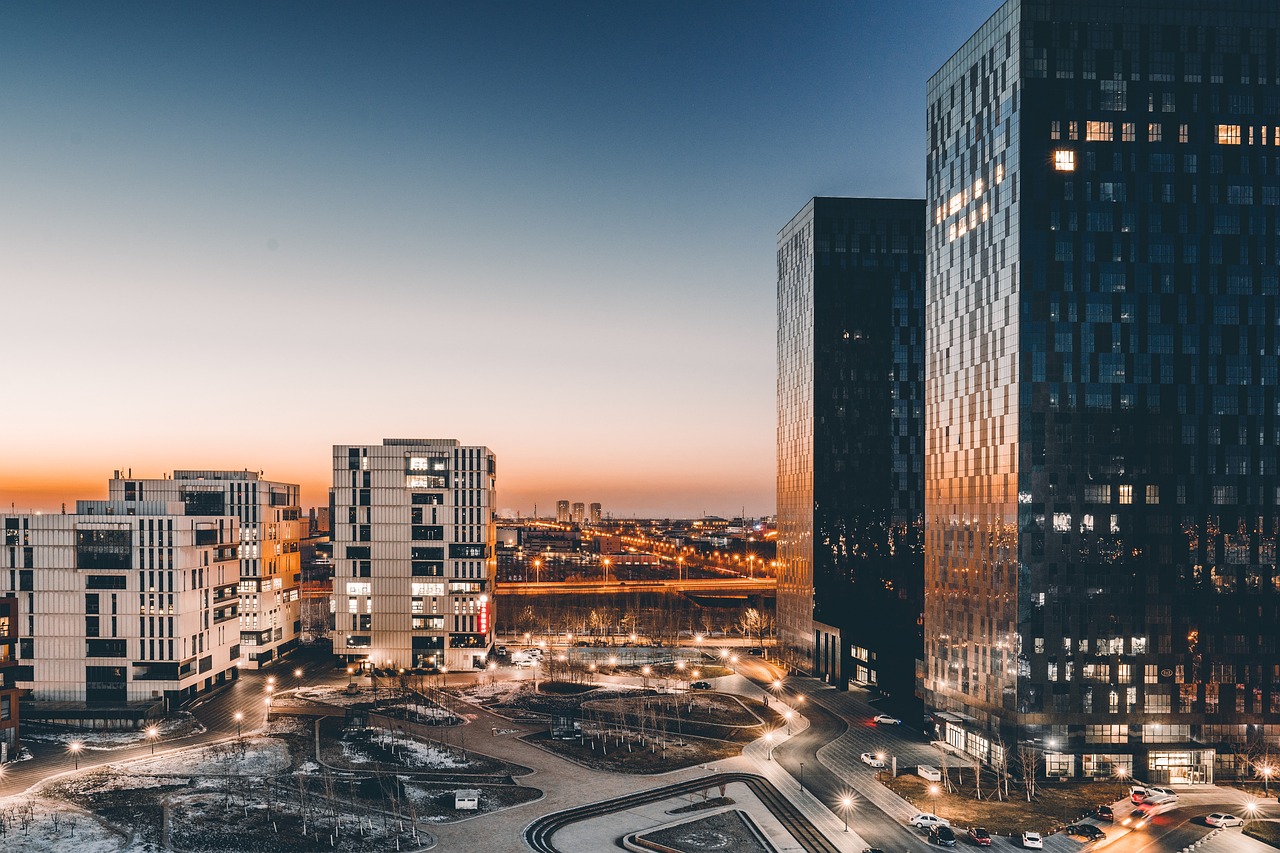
(242, 192)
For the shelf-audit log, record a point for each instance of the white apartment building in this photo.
(123, 602)
(413, 536)
(271, 528)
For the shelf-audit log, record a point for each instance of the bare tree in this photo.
(1000, 763)
(1027, 761)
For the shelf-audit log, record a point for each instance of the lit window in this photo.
(978, 187)
(1128, 132)
(1099, 131)
(1153, 494)
(1228, 134)
(1073, 130)
(955, 204)
(1155, 132)
(1126, 494)
(1055, 130)
(1000, 167)
(1182, 133)
(1064, 160)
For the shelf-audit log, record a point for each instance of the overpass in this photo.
(711, 587)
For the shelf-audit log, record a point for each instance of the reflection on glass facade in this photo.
(1102, 424)
(850, 444)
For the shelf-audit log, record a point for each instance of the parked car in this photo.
(927, 819)
(756, 652)
(1103, 812)
(886, 720)
(1136, 793)
(700, 685)
(872, 760)
(1158, 795)
(500, 650)
(1032, 841)
(942, 835)
(1220, 819)
(980, 836)
(1085, 830)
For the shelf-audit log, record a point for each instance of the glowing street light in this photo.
(74, 748)
(768, 740)
(788, 715)
(846, 804)
(152, 734)
(933, 792)
(1267, 770)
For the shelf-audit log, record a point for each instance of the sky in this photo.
(236, 234)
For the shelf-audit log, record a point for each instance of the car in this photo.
(1220, 819)
(886, 720)
(1155, 794)
(1137, 819)
(522, 663)
(942, 835)
(500, 650)
(1032, 841)
(872, 850)
(700, 685)
(980, 836)
(1102, 812)
(872, 760)
(927, 819)
(1085, 830)
(756, 652)
(1136, 793)
(582, 644)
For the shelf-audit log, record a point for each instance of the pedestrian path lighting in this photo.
(846, 804)
(1250, 811)
(239, 720)
(768, 742)
(788, 715)
(74, 748)
(152, 734)
(933, 792)
(1266, 771)
(801, 775)
(1121, 773)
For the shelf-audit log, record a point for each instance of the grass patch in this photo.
(1055, 805)
(1266, 831)
(564, 688)
(632, 754)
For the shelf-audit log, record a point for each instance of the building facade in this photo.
(8, 678)
(271, 529)
(413, 537)
(123, 602)
(562, 512)
(595, 514)
(578, 514)
(1102, 424)
(850, 453)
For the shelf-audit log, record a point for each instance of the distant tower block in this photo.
(562, 512)
(595, 514)
(579, 513)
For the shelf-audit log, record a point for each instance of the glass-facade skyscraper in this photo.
(850, 443)
(1102, 418)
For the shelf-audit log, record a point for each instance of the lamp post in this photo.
(788, 715)
(1267, 770)
(240, 719)
(933, 792)
(1121, 773)
(1250, 809)
(801, 775)
(152, 734)
(537, 571)
(351, 670)
(846, 803)
(768, 740)
(74, 748)
(605, 563)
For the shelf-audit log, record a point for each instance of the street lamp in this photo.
(933, 792)
(1251, 809)
(801, 775)
(74, 748)
(768, 740)
(846, 803)
(240, 719)
(1121, 773)
(1267, 770)
(297, 673)
(788, 715)
(152, 734)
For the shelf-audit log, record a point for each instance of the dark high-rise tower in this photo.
(1101, 413)
(850, 455)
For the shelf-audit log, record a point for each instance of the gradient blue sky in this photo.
(235, 234)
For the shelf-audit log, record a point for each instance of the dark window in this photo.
(104, 549)
(105, 648)
(428, 569)
(26, 581)
(353, 458)
(365, 533)
(26, 648)
(91, 626)
(366, 497)
(428, 532)
(203, 502)
(425, 553)
(428, 498)
(91, 603)
(105, 683)
(466, 552)
(364, 568)
(415, 515)
(357, 552)
(105, 582)
(11, 531)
